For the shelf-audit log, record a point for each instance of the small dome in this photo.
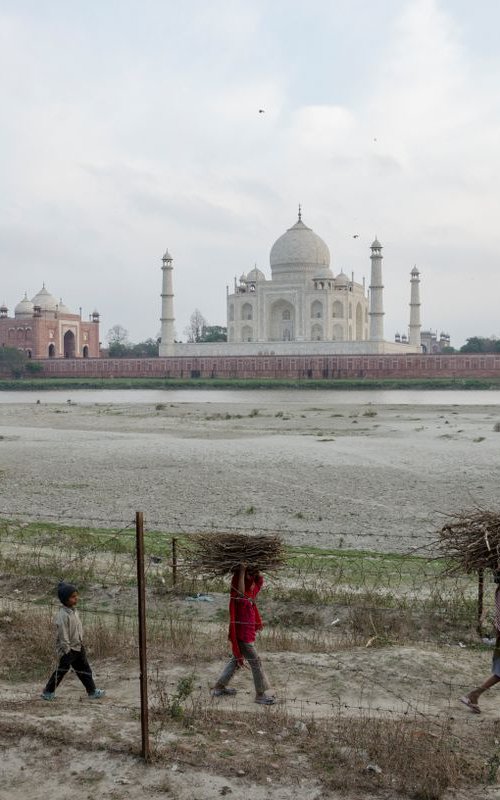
(166, 256)
(299, 250)
(341, 279)
(376, 243)
(256, 274)
(63, 309)
(243, 278)
(3, 307)
(415, 271)
(24, 308)
(45, 300)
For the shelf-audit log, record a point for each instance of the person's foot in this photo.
(265, 700)
(221, 691)
(96, 694)
(48, 695)
(471, 702)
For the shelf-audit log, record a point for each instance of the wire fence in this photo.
(322, 603)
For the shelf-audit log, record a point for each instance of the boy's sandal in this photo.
(470, 705)
(223, 690)
(265, 700)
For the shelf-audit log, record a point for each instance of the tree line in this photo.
(198, 330)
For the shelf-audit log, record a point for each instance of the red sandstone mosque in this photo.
(45, 328)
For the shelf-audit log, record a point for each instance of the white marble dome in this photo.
(45, 300)
(63, 309)
(341, 279)
(24, 308)
(256, 274)
(299, 249)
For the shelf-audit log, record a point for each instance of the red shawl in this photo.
(251, 591)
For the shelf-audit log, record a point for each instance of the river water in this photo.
(332, 397)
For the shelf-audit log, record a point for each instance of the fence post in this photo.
(480, 600)
(174, 561)
(141, 603)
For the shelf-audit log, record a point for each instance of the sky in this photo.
(131, 126)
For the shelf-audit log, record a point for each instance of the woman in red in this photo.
(244, 622)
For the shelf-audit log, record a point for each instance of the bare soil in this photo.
(366, 477)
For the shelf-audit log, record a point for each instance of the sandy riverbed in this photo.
(361, 475)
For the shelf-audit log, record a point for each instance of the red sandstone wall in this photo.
(387, 366)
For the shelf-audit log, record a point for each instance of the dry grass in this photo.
(413, 756)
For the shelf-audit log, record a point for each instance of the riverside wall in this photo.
(275, 366)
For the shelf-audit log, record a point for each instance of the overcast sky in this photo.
(130, 126)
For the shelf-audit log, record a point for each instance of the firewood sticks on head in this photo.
(221, 553)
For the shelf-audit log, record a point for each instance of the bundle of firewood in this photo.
(471, 541)
(218, 554)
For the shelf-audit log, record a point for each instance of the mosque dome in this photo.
(24, 308)
(45, 300)
(299, 250)
(256, 274)
(62, 308)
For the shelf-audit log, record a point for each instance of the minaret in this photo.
(415, 324)
(376, 313)
(167, 307)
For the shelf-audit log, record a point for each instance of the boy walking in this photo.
(69, 644)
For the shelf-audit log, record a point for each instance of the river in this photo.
(334, 397)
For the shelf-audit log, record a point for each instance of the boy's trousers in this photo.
(77, 660)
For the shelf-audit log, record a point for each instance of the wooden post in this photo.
(174, 561)
(143, 662)
(480, 601)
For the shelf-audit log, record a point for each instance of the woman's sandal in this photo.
(470, 705)
(265, 700)
(223, 691)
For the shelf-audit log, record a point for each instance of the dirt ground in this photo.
(363, 476)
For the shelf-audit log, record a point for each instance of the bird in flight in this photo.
(355, 236)
(261, 111)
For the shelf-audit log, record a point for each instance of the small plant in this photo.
(369, 413)
(159, 406)
(279, 414)
(254, 412)
(250, 510)
(299, 515)
(496, 427)
(479, 439)
(172, 705)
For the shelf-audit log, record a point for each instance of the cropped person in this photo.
(244, 622)
(471, 700)
(69, 645)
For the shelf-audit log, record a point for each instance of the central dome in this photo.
(299, 250)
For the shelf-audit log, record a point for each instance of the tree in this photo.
(481, 344)
(214, 333)
(146, 349)
(117, 335)
(197, 323)
(12, 361)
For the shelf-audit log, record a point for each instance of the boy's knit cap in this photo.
(64, 591)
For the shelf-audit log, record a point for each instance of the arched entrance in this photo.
(69, 344)
(282, 322)
(359, 322)
(52, 351)
(86, 352)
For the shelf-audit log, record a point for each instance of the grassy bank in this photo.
(63, 384)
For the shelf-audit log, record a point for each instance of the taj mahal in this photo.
(303, 308)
